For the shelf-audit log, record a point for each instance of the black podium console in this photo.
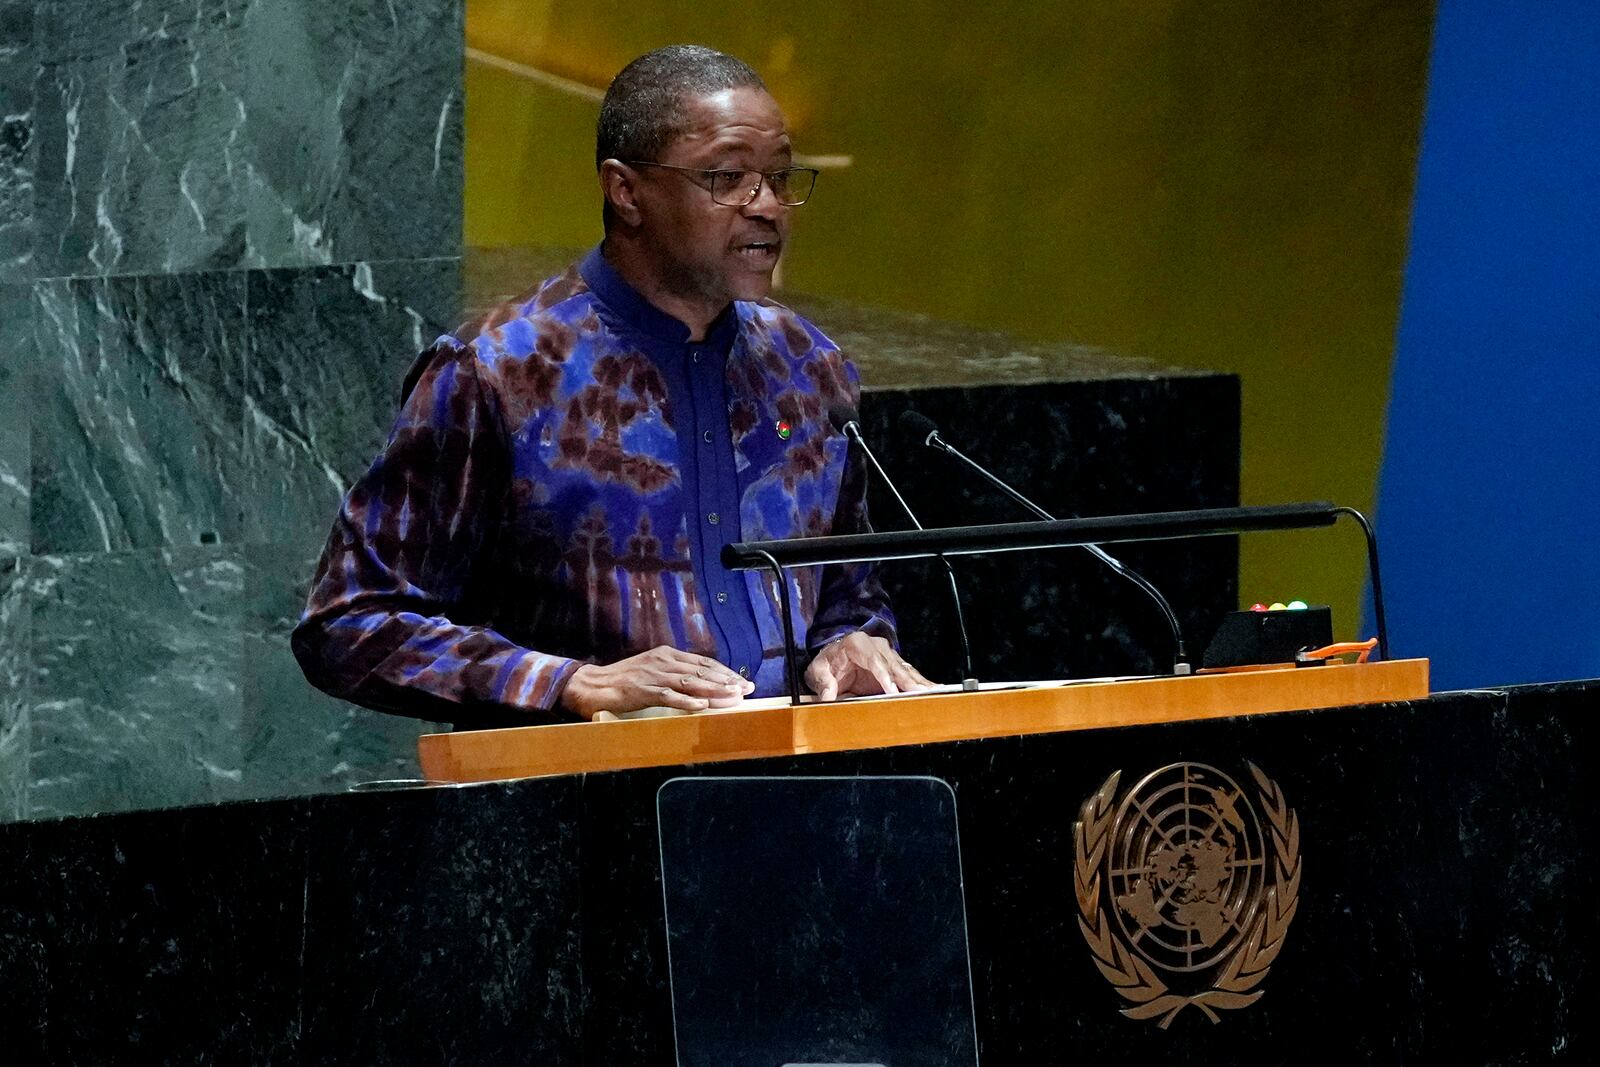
(1406, 881)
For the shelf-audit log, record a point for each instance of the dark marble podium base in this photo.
(1446, 912)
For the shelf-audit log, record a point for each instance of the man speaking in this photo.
(541, 537)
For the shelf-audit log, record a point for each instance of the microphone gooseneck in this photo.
(846, 421)
(923, 428)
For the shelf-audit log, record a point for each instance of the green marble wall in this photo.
(225, 230)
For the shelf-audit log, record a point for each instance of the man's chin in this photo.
(753, 294)
(751, 285)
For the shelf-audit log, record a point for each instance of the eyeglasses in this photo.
(737, 188)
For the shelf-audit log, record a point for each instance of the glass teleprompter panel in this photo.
(816, 921)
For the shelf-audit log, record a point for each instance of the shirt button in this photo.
(722, 598)
(744, 672)
(695, 356)
(706, 437)
(713, 518)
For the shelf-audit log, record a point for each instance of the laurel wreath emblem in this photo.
(1234, 984)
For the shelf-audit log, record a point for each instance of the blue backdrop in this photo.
(1489, 499)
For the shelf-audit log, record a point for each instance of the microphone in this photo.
(923, 428)
(845, 419)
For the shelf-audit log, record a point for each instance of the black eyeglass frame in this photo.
(765, 180)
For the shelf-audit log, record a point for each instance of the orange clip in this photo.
(1360, 649)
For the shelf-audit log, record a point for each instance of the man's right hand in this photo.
(664, 676)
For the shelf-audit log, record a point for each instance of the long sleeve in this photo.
(850, 596)
(396, 618)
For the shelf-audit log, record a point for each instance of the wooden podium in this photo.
(786, 730)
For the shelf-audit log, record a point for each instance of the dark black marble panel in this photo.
(136, 663)
(295, 739)
(1402, 929)
(18, 69)
(1040, 996)
(628, 995)
(1447, 877)
(442, 927)
(173, 938)
(1101, 447)
(329, 348)
(1508, 834)
(137, 418)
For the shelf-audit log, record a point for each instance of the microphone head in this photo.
(841, 415)
(918, 425)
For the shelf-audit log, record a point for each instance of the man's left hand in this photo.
(859, 665)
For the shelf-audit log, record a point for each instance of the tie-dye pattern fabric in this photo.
(557, 489)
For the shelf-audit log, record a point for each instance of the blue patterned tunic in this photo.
(557, 490)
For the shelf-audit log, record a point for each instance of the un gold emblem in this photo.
(1184, 897)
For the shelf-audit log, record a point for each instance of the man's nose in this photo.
(766, 204)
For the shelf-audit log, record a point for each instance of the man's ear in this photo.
(617, 185)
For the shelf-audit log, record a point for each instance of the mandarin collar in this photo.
(629, 305)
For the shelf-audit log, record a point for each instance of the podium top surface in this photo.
(786, 730)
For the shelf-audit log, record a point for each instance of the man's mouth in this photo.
(759, 250)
